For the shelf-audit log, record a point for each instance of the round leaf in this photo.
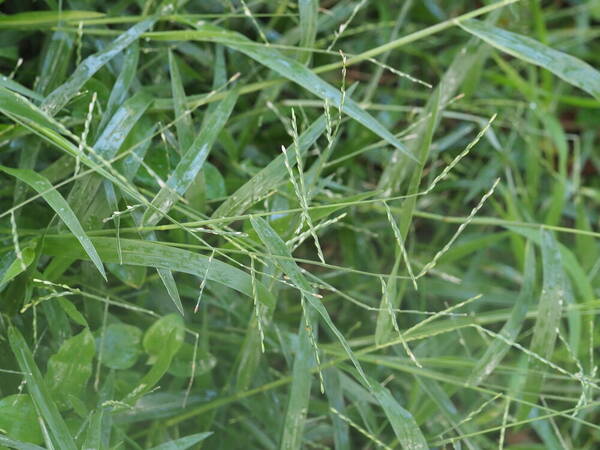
(19, 419)
(168, 330)
(120, 346)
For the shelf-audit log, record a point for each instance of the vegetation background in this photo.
(299, 224)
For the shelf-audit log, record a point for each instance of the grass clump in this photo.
(336, 224)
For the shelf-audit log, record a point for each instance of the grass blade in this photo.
(309, 14)
(290, 69)
(191, 162)
(105, 148)
(271, 176)
(299, 396)
(20, 110)
(118, 94)
(556, 293)
(184, 442)
(406, 429)
(11, 265)
(58, 98)
(510, 331)
(93, 437)
(60, 206)
(571, 69)
(277, 247)
(150, 254)
(18, 445)
(185, 130)
(57, 428)
(41, 19)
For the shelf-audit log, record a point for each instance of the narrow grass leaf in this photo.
(120, 89)
(18, 445)
(271, 176)
(277, 247)
(11, 265)
(511, 329)
(403, 423)
(40, 394)
(571, 69)
(192, 161)
(41, 19)
(23, 112)
(288, 68)
(8, 83)
(93, 436)
(556, 291)
(335, 397)
(183, 124)
(184, 442)
(60, 207)
(171, 286)
(309, 14)
(13, 104)
(105, 148)
(58, 98)
(299, 396)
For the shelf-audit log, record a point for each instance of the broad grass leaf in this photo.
(182, 364)
(149, 254)
(19, 419)
(40, 393)
(133, 276)
(574, 71)
(119, 345)
(60, 207)
(70, 368)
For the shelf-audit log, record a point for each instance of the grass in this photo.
(337, 224)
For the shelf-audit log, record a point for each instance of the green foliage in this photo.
(299, 224)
